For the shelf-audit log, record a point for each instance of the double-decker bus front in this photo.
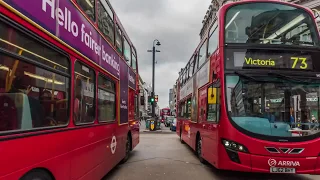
(270, 87)
(163, 113)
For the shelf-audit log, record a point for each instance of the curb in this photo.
(156, 132)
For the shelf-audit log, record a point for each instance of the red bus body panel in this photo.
(213, 151)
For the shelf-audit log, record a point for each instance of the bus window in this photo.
(191, 67)
(105, 20)
(127, 51)
(31, 96)
(213, 41)
(84, 94)
(182, 109)
(188, 109)
(213, 104)
(270, 23)
(88, 7)
(106, 100)
(134, 61)
(202, 53)
(119, 40)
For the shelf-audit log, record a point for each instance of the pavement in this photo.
(161, 156)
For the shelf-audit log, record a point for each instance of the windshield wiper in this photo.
(245, 76)
(289, 78)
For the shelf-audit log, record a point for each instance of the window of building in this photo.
(106, 100)
(134, 60)
(105, 20)
(127, 51)
(34, 88)
(203, 53)
(84, 94)
(119, 40)
(213, 41)
(88, 7)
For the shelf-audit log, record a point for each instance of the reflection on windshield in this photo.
(269, 23)
(273, 106)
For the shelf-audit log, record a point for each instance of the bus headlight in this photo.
(231, 145)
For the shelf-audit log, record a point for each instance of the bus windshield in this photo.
(274, 105)
(269, 23)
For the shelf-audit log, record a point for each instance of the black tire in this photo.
(37, 175)
(182, 142)
(128, 148)
(199, 149)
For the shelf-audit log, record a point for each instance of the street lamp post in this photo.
(153, 69)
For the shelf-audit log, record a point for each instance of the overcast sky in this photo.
(175, 23)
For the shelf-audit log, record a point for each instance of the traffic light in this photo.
(156, 98)
(150, 99)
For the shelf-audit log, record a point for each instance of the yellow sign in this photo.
(303, 63)
(152, 125)
(260, 62)
(212, 95)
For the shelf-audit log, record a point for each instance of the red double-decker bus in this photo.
(249, 96)
(68, 90)
(163, 113)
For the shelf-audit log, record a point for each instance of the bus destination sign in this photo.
(269, 59)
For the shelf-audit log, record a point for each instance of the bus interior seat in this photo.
(18, 110)
(8, 113)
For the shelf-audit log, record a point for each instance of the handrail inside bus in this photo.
(10, 74)
(16, 46)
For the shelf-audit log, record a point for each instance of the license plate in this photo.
(282, 170)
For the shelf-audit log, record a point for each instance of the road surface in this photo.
(161, 156)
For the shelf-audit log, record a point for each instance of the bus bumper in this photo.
(264, 164)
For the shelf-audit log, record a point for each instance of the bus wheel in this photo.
(128, 147)
(182, 142)
(37, 175)
(199, 149)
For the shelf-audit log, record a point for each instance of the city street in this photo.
(161, 156)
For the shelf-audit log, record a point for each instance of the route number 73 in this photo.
(303, 65)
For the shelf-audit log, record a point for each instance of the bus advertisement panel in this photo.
(257, 109)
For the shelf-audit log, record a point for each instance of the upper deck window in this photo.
(203, 53)
(270, 23)
(88, 7)
(127, 51)
(191, 66)
(134, 60)
(119, 40)
(105, 20)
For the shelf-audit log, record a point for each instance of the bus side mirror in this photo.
(212, 95)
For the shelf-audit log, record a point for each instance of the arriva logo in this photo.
(273, 162)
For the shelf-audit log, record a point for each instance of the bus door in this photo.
(210, 125)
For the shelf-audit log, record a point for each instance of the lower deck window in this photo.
(34, 93)
(106, 100)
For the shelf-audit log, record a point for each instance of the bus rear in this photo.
(270, 85)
